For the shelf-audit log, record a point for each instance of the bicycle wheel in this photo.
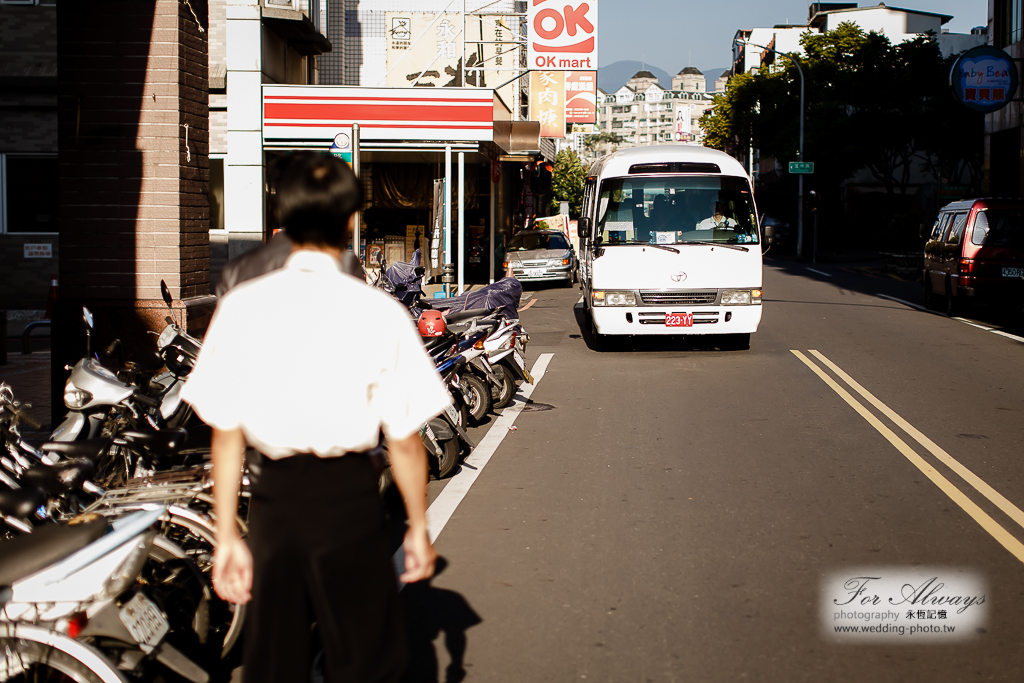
(33, 653)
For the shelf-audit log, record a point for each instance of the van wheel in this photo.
(952, 305)
(735, 342)
(929, 294)
(600, 341)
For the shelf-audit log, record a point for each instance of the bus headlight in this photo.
(741, 297)
(612, 298)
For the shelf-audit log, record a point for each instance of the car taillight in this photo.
(966, 266)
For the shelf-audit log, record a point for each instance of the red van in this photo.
(975, 253)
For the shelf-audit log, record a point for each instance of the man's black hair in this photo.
(316, 195)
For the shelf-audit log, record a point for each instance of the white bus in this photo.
(670, 245)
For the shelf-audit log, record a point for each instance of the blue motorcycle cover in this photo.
(504, 294)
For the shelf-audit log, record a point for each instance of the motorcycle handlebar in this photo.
(147, 401)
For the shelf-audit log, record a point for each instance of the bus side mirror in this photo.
(769, 234)
(583, 228)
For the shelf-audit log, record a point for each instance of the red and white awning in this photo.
(317, 113)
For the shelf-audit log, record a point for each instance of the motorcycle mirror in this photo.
(419, 270)
(166, 294)
(401, 287)
(87, 318)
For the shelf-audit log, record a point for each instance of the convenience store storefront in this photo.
(405, 134)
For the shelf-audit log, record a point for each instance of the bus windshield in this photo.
(676, 209)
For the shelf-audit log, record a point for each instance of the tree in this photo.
(871, 107)
(567, 180)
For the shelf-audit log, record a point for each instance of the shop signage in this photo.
(547, 102)
(683, 116)
(563, 34)
(318, 113)
(342, 146)
(38, 251)
(581, 97)
(984, 79)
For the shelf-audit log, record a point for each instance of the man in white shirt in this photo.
(308, 365)
(718, 219)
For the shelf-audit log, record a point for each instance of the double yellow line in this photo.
(990, 525)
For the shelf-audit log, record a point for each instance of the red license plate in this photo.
(679, 320)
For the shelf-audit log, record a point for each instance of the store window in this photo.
(28, 194)
(1008, 22)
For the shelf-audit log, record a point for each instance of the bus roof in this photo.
(618, 164)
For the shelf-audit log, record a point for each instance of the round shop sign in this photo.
(984, 79)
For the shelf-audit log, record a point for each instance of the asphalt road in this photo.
(668, 512)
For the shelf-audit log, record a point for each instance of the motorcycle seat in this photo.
(65, 476)
(162, 443)
(21, 503)
(432, 343)
(93, 449)
(453, 318)
(25, 555)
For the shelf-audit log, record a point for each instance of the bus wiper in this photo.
(646, 244)
(717, 244)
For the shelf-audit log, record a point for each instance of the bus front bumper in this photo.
(627, 320)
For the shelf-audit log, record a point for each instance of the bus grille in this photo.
(679, 297)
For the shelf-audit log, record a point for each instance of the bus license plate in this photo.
(144, 621)
(679, 320)
(1013, 272)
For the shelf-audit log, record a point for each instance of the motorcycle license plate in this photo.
(522, 366)
(679, 320)
(1013, 272)
(144, 621)
(452, 413)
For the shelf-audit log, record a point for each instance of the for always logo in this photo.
(563, 35)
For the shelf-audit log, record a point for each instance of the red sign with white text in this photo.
(562, 35)
(581, 97)
(679, 320)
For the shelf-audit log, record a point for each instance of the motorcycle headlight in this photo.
(607, 298)
(166, 337)
(74, 397)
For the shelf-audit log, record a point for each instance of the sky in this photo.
(665, 32)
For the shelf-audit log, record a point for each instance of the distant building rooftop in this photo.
(690, 71)
(644, 74)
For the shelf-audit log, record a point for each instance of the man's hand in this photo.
(409, 467)
(420, 557)
(232, 570)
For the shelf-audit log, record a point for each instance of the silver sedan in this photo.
(541, 256)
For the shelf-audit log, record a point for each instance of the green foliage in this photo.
(869, 105)
(567, 180)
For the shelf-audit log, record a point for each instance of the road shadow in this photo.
(429, 613)
(870, 278)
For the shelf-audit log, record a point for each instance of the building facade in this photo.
(642, 112)
(1004, 144)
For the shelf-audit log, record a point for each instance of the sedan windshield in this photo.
(535, 241)
(676, 210)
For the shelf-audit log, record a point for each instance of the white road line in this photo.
(1008, 335)
(968, 322)
(901, 301)
(960, 320)
(444, 506)
(819, 272)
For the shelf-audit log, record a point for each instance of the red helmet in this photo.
(431, 324)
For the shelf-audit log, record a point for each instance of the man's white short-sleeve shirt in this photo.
(307, 359)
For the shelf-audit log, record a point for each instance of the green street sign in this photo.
(801, 167)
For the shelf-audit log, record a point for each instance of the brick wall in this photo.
(134, 208)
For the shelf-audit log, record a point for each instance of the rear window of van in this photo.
(999, 228)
